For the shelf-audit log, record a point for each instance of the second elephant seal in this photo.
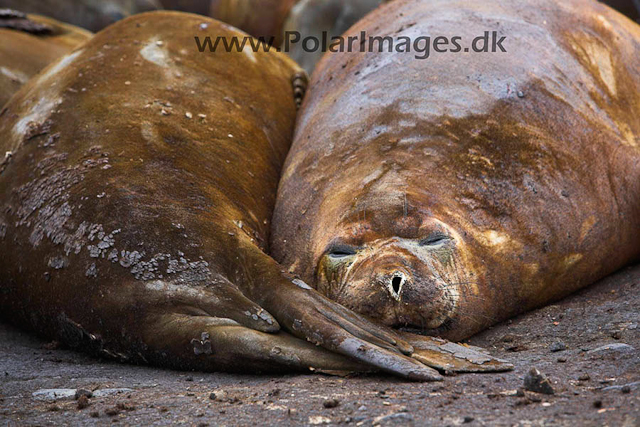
(446, 194)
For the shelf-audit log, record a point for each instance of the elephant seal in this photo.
(446, 194)
(93, 15)
(135, 204)
(30, 43)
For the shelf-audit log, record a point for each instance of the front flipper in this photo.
(448, 356)
(212, 344)
(309, 315)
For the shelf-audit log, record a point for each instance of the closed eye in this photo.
(435, 240)
(341, 251)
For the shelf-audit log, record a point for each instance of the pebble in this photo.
(218, 395)
(331, 403)
(537, 382)
(82, 392)
(612, 349)
(83, 402)
(55, 394)
(399, 417)
(584, 377)
(557, 346)
(111, 391)
(624, 388)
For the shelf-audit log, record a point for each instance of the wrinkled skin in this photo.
(447, 194)
(135, 206)
(23, 54)
(93, 15)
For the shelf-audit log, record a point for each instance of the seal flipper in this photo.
(448, 356)
(309, 315)
(211, 344)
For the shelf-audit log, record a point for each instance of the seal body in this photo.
(93, 15)
(30, 43)
(449, 193)
(136, 200)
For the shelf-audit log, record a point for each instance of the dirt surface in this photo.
(592, 384)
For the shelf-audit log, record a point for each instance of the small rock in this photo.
(82, 392)
(467, 419)
(330, 403)
(218, 395)
(112, 412)
(597, 403)
(557, 346)
(536, 382)
(614, 348)
(318, 419)
(624, 388)
(561, 359)
(398, 417)
(533, 398)
(125, 406)
(584, 377)
(110, 391)
(83, 402)
(55, 394)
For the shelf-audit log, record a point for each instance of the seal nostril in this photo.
(396, 282)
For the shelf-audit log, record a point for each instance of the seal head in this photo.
(407, 275)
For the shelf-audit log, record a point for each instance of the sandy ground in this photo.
(596, 380)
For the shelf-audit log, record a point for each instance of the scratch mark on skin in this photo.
(15, 75)
(249, 53)
(155, 53)
(63, 63)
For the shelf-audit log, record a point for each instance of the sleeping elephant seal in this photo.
(28, 43)
(135, 204)
(449, 193)
(93, 15)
